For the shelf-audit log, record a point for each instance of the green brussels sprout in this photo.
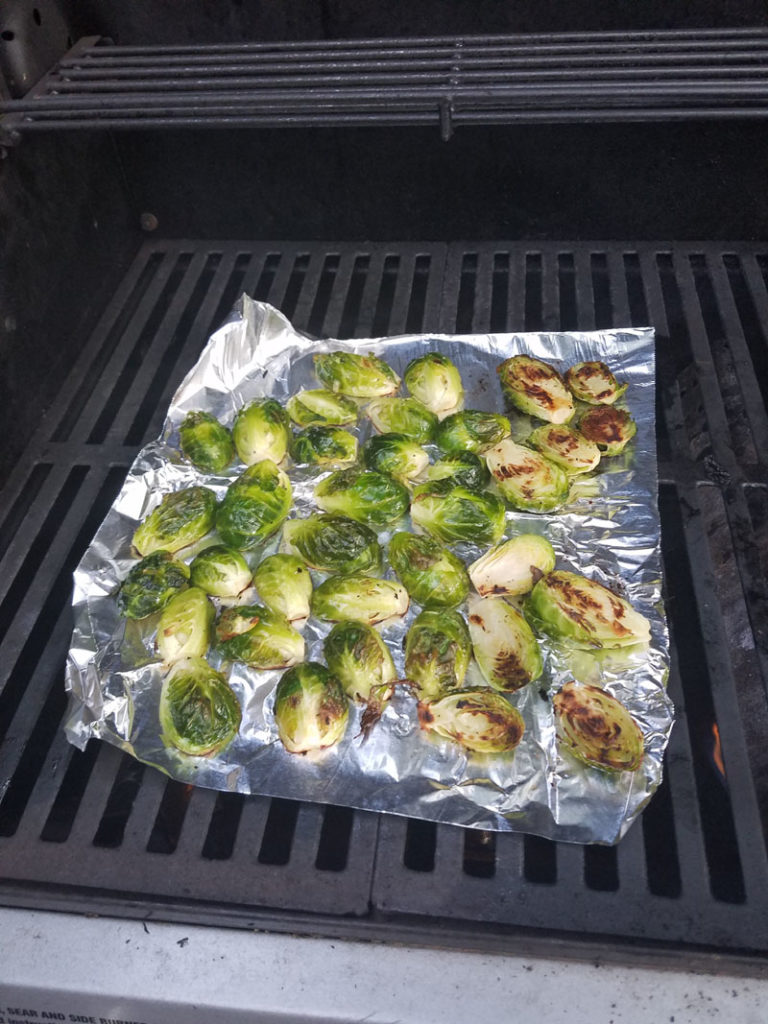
(610, 428)
(566, 447)
(333, 544)
(435, 382)
(184, 630)
(199, 713)
(319, 407)
(220, 571)
(432, 575)
(471, 431)
(371, 498)
(360, 660)
(206, 443)
(478, 720)
(151, 584)
(258, 636)
(395, 455)
(593, 383)
(254, 506)
(503, 644)
(356, 376)
(323, 446)
(535, 388)
(284, 585)
(597, 729)
(464, 468)
(513, 567)
(529, 481)
(261, 431)
(437, 653)
(311, 711)
(359, 597)
(574, 608)
(181, 518)
(453, 514)
(402, 416)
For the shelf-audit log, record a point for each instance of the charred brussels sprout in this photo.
(454, 514)
(151, 584)
(432, 575)
(528, 480)
(513, 567)
(285, 586)
(333, 544)
(437, 653)
(361, 661)
(199, 713)
(463, 468)
(206, 443)
(478, 720)
(371, 498)
(220, 571)
(395, 455)
(260, 431)
(435, 382)
(567, 448)
(180, 519)
(311, 711)
(535, 388)
(593, 382)
(403, 416)
(503, 643)
(597, 729)
(471, 431)
(254, 506)
(185, 625)
(319, 407)
(356, 376)
(611, 429)
(324, 446)
(359, 597)
(259, 637)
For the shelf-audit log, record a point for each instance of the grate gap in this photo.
(566, 275)
(295, 284)
(323, 294)
(222, 830)
(230, 293)
(534, 310)
(601, 290)
(500, 292)
(61, 817)
(263, 286)
(417, 305)
(335, 836)
(638, 306)
(479, 859)
(383, 312)
(420, 845)
(660, 839)
(278, 832)
(24, 502)
(601, 868)
(354, 298)
(539, 860)
(164, 837)
(465, 305)
(754, 334)
(117, 811)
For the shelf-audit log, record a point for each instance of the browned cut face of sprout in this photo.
(597, 729)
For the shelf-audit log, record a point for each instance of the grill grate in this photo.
(95, 831)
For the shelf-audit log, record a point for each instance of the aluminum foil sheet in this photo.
(608, 531)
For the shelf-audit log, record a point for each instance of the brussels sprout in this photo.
(536, 388)
(597, 729)
(206, 443)
(471, 431)
(371, 498)
(184, 630)
(359, 597)
(360, 660)
(322, 408)
(403, 416)
(479, 720)
(396, 455)
(503, 644)
(356, 376)
(566, 447)
(258, 636)
(528, 480)
(254, 506)
(435, 382)
(610, 428)
(181, 518)
(260, 431)
(333, 544)
(572, 607)
(285, 586)
(151, 584)
(323, 446)
(453, 514)
(220, 571)
(464, 468)
(594, 383)
(431, 574)
(437, 653)
(199, 713)
(311, 711)
(513, 567)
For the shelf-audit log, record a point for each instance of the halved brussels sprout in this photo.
(402, 416)
(311, 711)
(471, 431)
(360, 660)
(479, 720)
(220, 571)
(566, 447)
(593, 382)
(529, 481)
(464, 468)
(437, 653)
(356, 376)
(432, 575)
(513, 567)
(151, 584)
(199, 713)
(285, 585)
(258, 636)
(323, 446)
(435, 382)
(396, 455)
(536, 388)
(610, 428)
(597, 729)
(261, 431)
(181, 518)
(320, 407)
(333, 544)
(574, 608)
(184, 630)
(454, 514)
(359, 597)
(362, 494)
(254, 506)
(503, 643)
(206, 443)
